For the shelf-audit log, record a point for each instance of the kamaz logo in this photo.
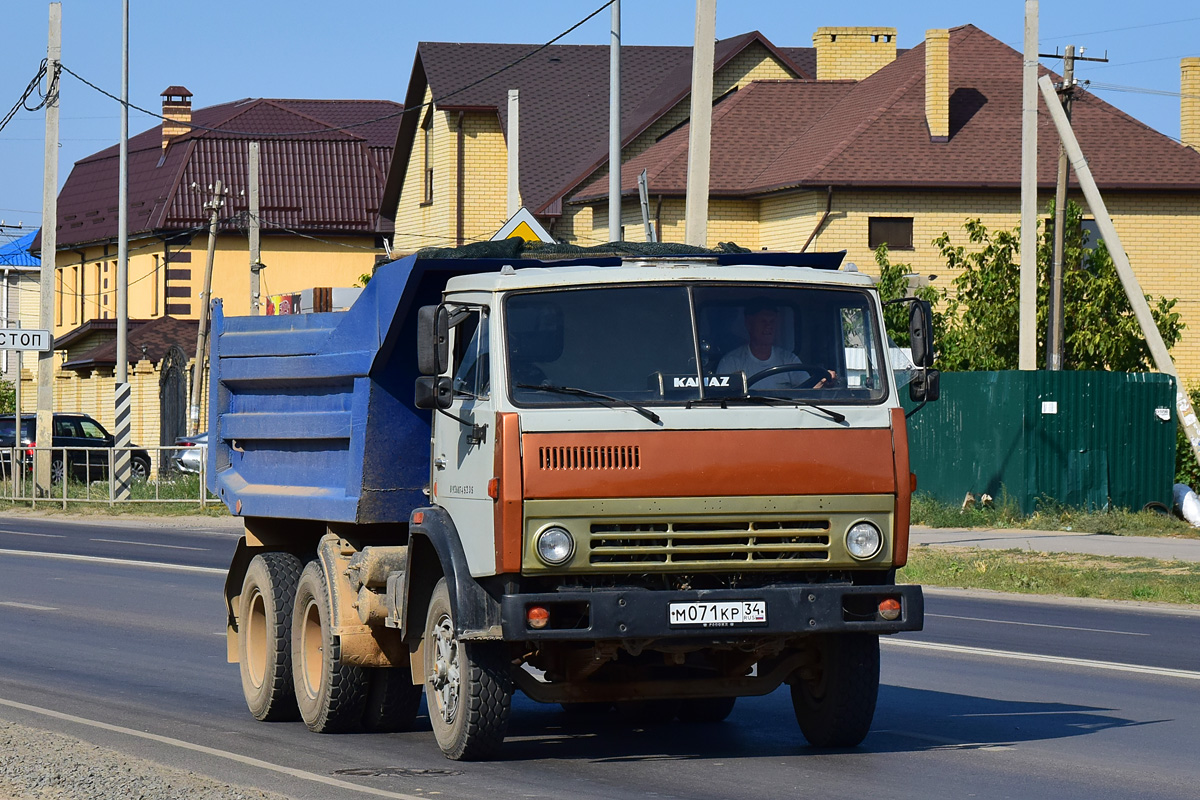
(691, 383)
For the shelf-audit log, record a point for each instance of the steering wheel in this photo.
(817, 373)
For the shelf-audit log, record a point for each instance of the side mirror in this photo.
(434, 392)
(433, 340)
(920, 331)
(926, 386)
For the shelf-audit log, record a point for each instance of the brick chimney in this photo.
(177, 108)
(937, 84)
(853, 53)
(1189, 103)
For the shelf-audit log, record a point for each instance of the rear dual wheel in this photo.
(332, 696)
(265, 636)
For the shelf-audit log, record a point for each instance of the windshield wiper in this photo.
(606, 399)
(767, 400)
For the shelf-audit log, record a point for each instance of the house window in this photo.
(154, 289)
(58, 310)
(895, 232)
(427, 137)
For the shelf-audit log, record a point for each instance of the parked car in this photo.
(70, 431)
(188, 460)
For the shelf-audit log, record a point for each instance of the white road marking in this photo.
(211, 751)
(126, 562)
(30, 606)
(1114, 666)
(150, 544)
(43, 535)
(1036, 625)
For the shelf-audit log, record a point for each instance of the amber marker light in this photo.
(537, 617)
(889, 609)
(418, 517)
(494, 488)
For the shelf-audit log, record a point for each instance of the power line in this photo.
(334, 128)
(1116, 87)
(29, 91)
(1118, 30)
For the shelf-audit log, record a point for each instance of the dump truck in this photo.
(655, 482)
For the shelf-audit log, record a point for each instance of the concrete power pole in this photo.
(1129, 281)
(214, 206)
(255, 231)
(700, 129)
(121, 398)
(514, 153)
(614, 126)
(1027, 332)
(45, 390)
(1055, 312)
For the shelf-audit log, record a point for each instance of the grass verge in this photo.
(1069, 574)
(1050, 517)
(178, 496)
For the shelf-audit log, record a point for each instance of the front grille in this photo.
(729, 543)
(591, 457)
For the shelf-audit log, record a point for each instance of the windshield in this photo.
(671, 344)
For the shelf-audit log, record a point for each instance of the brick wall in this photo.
(1189, 102)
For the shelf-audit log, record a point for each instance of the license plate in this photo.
(719, 615)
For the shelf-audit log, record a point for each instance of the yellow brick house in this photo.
(323, 165)
(840, 146)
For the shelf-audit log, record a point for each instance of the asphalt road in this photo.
(998, 697)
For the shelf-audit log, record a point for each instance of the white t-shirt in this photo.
(741, 359)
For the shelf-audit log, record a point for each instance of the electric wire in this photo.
(23, 102)
(349, 126)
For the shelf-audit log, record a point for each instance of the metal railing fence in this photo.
(172, 474)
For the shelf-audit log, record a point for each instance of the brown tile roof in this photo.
(318, 179)
(873, 133)
(564, 102)
(150, 339)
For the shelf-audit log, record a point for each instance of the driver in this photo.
(760, 351)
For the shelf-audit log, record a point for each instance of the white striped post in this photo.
(121, 476)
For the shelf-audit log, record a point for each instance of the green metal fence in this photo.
(1084, 439)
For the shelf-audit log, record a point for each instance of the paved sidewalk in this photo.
(1104, 544)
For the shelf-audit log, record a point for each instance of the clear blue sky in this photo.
(223, 50)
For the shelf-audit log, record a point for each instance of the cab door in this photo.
(464, 440)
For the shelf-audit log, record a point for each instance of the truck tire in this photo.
(331, 695)
(468, 688)
(705, 710)
(835, 699)
(265, 636)
(392, 700)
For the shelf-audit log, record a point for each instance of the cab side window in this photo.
(471, 357)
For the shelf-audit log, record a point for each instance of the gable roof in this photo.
(873, 133)
(564, 106)
(150, 339)
(318, 175)
(16, 253)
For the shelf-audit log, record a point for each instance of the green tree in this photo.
(981, 314)
(8, 398)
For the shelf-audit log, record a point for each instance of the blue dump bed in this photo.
(311, 416)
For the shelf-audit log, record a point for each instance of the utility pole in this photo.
(700, 129)
(44, 432)
(214, 206)
(1055, 316)
(121, 399)
(255, 232)
(514, 153)
(644, 201)
(1027, 324)
(1133, 290)
(614, 126)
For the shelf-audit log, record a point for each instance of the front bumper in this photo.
(631, 613)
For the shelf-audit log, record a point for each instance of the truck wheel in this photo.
(468, 689)
(392, 700)
(834, 698)
(265, 636)
(331, 695)
(704, 710)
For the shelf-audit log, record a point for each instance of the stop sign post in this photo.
(22, 339)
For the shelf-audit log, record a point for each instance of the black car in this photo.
(70, 431)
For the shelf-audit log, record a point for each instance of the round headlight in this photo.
(555, 546)
(863, 540)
